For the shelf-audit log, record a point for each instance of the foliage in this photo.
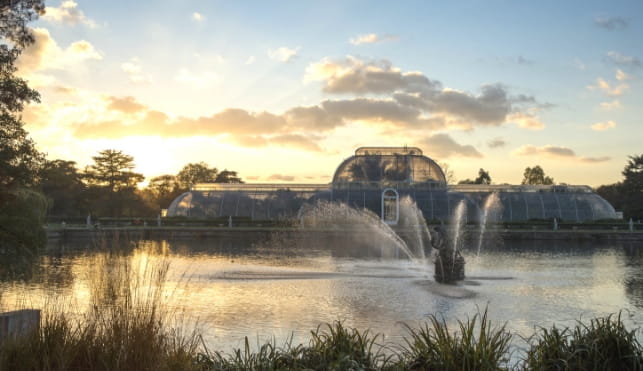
(483, 178)
(14, 16)
(228, 176)
(21, 210)
(603, 344)
(435, 348)
(113, 183)
(126, 328)
(21, 221)
(334, 348)
(627, 196)
(536, 176)
(162, 190)
(19, 159)
(194, 173)
(633, 187)
(62, 184)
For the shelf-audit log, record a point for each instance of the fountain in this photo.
(449, 263)
(491, 213)
(411, 236)
(413, 228)
(357, 227)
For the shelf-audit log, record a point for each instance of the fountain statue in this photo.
(448, 262)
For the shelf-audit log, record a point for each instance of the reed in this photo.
(602, 344)
(127, 325)
(476, 346)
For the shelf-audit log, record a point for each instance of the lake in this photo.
(284, 286)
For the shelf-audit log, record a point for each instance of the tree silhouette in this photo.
(112, 177)
(627, 196)
(536, 176)
(20, 162)
(194, 173)
(62, 184)
(228, 176)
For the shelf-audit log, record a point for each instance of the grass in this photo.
(603, 344)
(474, 347)
(128, 327)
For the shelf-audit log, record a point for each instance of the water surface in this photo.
(281, 288)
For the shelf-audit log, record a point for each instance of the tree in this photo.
(19, 160)
(62, 184)
(228, 176)
(627, 196)
(536, 176)
(448, 172)
(483, 178)
(194, 173)
(111, 176)
(633, 173)
(162, 190)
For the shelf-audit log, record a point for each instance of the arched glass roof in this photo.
(389, 165)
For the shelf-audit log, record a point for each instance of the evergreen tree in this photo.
(113, 183)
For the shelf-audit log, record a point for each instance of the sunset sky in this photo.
(284, 90)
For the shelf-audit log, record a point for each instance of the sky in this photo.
(283, 91)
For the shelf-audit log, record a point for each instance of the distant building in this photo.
(377, 178)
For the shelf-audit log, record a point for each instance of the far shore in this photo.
(58, 233)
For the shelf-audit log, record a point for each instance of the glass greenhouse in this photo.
(377, 178)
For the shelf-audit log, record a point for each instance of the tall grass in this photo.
(127, 325)
(477, 346)
(331, 347)
(603, 344)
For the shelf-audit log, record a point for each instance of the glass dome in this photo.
(389, 165)
(365, 179)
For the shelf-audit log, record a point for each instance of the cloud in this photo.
(283, 54)
(125, 104)
(602, 126)
(352, 75)
(197, 79)
(372, 38)
(526, 121)
(412, 90)
(251, 59)
(523, 60)
(372, 110)
(67, 13)
(409, 102)
(548, 150)
(134, 72)
(609, 106)
(496, 142)
(622, 76)
(197, 17)
(623, 60)
(45, 53)
(556, 152)
(611, 23)
(443, 146)
(611, 90)
(281, 178)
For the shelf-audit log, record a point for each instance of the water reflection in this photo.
(633, 280)
(266, 286)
